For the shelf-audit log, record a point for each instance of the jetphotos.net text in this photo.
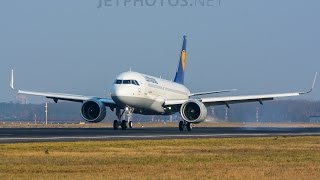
(158, 3)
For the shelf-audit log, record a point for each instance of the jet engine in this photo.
(93, 111)
(193, 111)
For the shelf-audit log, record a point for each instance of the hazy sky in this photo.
(71, 46)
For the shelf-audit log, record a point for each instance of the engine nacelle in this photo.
(193, 111)
(93, 111)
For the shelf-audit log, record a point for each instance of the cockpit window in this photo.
(136, 82)
(118, 81)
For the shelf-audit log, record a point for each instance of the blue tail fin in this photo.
(179, 78)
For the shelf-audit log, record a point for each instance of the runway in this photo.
(16, 135)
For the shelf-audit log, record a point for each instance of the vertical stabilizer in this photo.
(179, 78)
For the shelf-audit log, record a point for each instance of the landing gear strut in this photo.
(183, 124)
(130, 124)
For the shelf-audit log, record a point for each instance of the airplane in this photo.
(137, 93)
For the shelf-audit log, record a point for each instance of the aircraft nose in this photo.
(118, 90)
(118, 94)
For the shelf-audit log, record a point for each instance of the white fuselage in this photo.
(146, 94)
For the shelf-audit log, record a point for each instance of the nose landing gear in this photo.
(183, 124)
(123, 124)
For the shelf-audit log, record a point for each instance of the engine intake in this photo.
(193, 111)
(93, 111)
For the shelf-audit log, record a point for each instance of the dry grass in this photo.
(237, 158)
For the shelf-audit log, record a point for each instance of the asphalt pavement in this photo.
(16, 135)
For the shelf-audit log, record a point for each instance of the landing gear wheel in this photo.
(115, 125)
(124, 125)
(189, 126)
(130, 124)
(181, 125)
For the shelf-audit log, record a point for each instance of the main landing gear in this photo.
(183, 124)
(123, 124)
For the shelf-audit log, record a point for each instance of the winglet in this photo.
(12, 81)
(313, 83)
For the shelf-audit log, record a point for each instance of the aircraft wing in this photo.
(60, 96)
(57, 96)
(68, 97)
(211, 101)
(243, 99)
(211, 92)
